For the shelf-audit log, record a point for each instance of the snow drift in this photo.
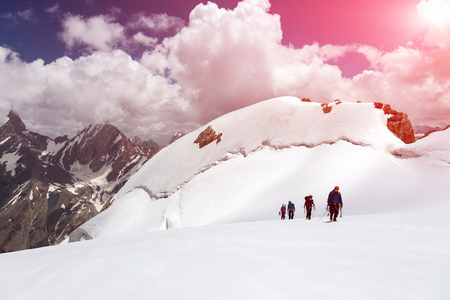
(244, 165)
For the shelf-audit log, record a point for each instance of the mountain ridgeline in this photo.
(49, 187)
(53, 188)
(242, 165)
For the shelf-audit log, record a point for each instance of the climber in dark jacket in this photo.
(334, 203)
(291, 210)
(309, 205)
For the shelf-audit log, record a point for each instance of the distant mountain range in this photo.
(49, 187)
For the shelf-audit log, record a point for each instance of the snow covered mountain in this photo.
(50, 187)
(232, 175)
(244, 165)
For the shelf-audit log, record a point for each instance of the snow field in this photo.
(358, 257)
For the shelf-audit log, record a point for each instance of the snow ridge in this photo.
(284, 129)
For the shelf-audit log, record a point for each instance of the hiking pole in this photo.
(326, 210)
(324, 214)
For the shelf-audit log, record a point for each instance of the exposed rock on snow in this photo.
(208, 136)
(398, 123)
(326, 108)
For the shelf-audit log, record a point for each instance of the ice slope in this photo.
(276, 151)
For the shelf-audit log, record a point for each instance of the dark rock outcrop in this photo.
(326, 108)
(147, 147)
(208, 136)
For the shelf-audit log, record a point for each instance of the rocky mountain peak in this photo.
(176, 136)
(96, 145)
(15, 121)
(47, 193)
(17, 135)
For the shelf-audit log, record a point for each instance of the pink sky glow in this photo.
(228, 55)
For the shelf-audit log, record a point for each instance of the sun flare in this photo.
(435, 12)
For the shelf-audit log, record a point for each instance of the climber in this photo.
(334, 203)
(283, 212)
(291, 210)
(309, 205)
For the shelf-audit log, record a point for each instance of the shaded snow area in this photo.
(203, 223)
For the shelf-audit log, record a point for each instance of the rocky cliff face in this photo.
(49, 187)
(148, 147)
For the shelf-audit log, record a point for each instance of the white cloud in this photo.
(233, 58)
(156, 60)
(95, 33)
(221, 61)
(26, 15)
(158, 22)
(141, 38)
(55, 9)
(67, 94)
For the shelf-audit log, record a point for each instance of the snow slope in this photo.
(276, 151)
(278, 123)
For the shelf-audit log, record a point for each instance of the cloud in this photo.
(220, 61)
(27, 15)
(415, 81)
(141, 38)
(95, 33)
(232, 58)
(224, 56)
(157, 22)
(54, 11)
(69, 94)
(229, 59)
(104, 33)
